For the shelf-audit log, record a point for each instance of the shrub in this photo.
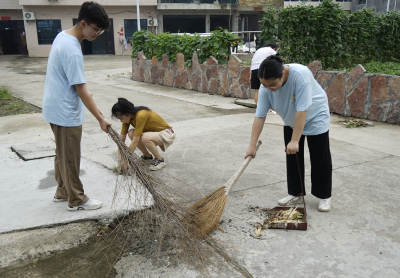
(217, 45)
(335, 37)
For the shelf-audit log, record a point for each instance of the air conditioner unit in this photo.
(29, 16)
(152, 22)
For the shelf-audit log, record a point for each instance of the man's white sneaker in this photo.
(324, 205)
(89, 205)
(57, 200)
(289, 200)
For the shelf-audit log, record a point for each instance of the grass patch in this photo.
(391, 68)
(10, 105)
(5, 94)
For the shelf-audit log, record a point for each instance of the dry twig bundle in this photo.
(160, 218)
(206, 212)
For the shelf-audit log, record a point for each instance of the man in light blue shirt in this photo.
(296, 96)
(64, 98)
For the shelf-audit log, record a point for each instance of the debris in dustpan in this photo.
(287, 218)
(351, 123)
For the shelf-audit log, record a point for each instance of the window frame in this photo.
(129, 37)
(39, 35)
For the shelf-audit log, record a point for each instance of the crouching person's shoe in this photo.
(157, 164)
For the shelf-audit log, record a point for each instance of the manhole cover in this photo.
(36, 150)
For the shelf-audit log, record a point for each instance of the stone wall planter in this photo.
(355, 93)
(230, 80)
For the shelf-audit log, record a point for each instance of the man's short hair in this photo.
(94, 13)
(272, 45)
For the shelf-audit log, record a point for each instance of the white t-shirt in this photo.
(260, 55)
(61, 104)
(301, 92)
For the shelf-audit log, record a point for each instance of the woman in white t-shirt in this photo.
(260, 55)
(303, 105)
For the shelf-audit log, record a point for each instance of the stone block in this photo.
(314, 67)
(374, 112)
(212, 61)
(204, 83)
(147, 75)
(203, 67)
(233, 67)
(189, 86)
(174, 67)
(181, 79)
(189, 70)
(379, 92)
(394, 84)
(141, 73)
(157, 75)
(165, 61)
(169, 79)
(235, 89)
(357, 98)
(244, 76)
(154, 60)
(212, 72)
(323, 79)
(245, 91)
(135, 72)
(394, 113)
(180, 61)
(141, 58)
(224, 87)
(195, 80)
(349, 86)
(213, 87)
(335, 92)
(195, 63)
(357, 72)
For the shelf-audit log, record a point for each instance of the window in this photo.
(362, 2)
(47, 30)
(131, 27)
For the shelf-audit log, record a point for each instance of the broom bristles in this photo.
(206, 212)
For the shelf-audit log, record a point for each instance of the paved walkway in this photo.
(360, 237)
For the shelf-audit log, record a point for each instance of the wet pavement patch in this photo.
(35, 150)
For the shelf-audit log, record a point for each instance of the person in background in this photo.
(64, 100)
(260, 55)
(150, 131)
(303, 105)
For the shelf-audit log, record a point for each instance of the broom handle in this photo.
(229, 184)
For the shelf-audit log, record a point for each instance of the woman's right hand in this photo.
(124, 165)
(251, 151)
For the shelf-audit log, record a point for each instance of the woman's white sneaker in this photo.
(289, 200)
(324, 205)
(89, 205)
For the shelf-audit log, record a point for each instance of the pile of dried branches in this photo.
(160, 215)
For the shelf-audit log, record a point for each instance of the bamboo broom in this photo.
(207, 211)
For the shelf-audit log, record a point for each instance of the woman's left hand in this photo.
(292, 147)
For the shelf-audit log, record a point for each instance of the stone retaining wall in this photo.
(230, 79)
(370, 96)
(355, 93)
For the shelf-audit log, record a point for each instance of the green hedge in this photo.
(337, 38)
(217, 45)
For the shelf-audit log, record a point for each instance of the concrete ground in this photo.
(360, 237)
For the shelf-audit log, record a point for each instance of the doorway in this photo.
(13, 37)
(103, 44)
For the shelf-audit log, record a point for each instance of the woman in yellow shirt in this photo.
(149, 131)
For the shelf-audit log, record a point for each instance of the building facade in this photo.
(346, 4)
(29, 27)
(379, 6)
